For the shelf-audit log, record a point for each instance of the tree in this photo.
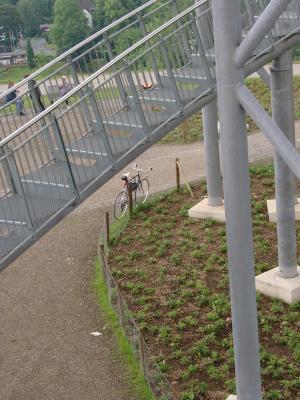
(30, 55)
(10, 24)
(70, 25)
(114, 9)
(27, 10)
(9, 17)
(99, 17)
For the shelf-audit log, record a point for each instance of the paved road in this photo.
(47, 307)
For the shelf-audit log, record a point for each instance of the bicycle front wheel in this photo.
(121, 204)
(142, 191)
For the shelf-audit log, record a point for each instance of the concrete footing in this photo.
(231, 397)
(271, 205)
(204, 211)
(273, 285)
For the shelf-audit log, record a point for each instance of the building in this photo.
(88, 7)
(11, 59)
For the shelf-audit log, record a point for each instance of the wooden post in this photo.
(102, 255)
(120, 307)
(177, 174)
(107, 233)
(130, 200)
(142, 355)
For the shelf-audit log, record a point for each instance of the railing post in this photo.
(35, 96)
(285, 185)
(182, 35)
(99, 126)
(136, 99)
(170, 72)
(38, 107)
(64, 156)
(118, 79)
(227, 33)
(201, 48)
(152, 58)
(203, 28)
(7, 171)
(19, 190)
(85, 112)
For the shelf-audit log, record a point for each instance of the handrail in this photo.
(101, 71)
(79, 45)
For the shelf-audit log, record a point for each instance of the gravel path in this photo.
(46, 304)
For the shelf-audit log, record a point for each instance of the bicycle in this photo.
(139, 187)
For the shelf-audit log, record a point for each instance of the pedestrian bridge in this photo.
(119, 104)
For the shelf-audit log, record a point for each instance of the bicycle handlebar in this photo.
(135, 167)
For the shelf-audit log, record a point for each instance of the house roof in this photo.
(87, 5)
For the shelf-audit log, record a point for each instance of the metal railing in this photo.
(66, 152)
(42, 88)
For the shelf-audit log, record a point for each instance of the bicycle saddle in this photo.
(124, 177)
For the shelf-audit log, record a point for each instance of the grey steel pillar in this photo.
(283, 116)
(227, 33)
(212, 157)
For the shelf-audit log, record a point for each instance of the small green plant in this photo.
(165, 334)
(176, 258)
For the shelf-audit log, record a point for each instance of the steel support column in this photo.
(212, 157)
(227, 33)
(283, 116)
(265, 76)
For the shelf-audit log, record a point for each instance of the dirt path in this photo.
(47, 314)
(46, 306)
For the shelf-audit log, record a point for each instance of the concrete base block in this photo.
(273, 285)
(203, 211)
(231, 397)
(271, 205)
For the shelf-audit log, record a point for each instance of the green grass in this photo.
(192, 129)
(16, 74)
(133, 371)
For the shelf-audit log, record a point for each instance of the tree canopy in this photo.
(9, 16)
(70, 24)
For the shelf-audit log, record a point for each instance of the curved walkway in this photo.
(47, 309)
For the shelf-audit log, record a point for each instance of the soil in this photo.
(173, 273)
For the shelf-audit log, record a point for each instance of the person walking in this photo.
(64, 88)
(13, 96)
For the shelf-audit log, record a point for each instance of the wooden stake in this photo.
(130, 199)
(177, 174)
(107, 233)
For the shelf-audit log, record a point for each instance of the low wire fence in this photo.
(157, 381)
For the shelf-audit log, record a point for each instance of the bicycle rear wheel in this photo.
(142, 191)
(120, 205)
